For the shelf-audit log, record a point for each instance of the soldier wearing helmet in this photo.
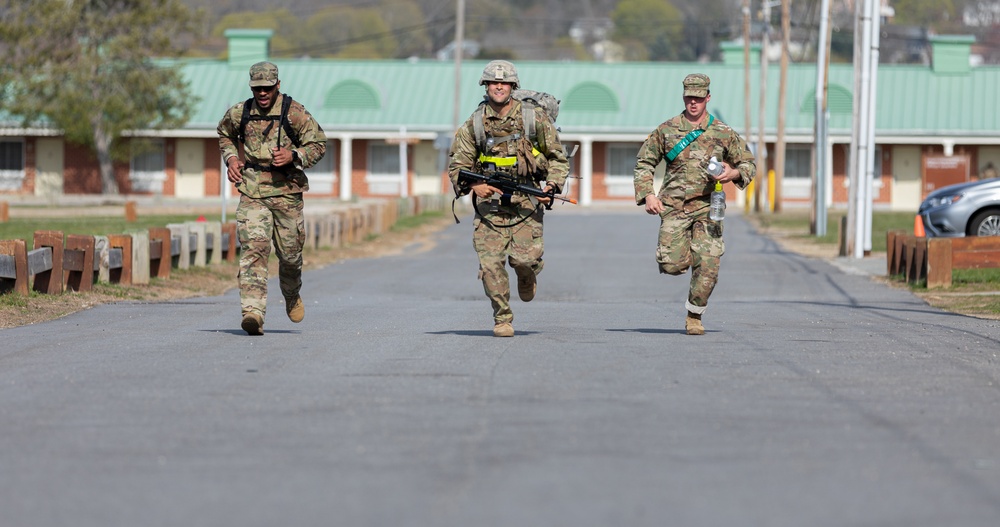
(507, 228)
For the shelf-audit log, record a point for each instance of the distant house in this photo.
(390, 124)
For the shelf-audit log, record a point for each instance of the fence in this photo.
(934, 259)
(73, 262)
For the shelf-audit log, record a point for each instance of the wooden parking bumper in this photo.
(933, 260)
(75, 262)
(78, 262)
(50, 281)
(14, 270)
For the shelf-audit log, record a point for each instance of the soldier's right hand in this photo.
(483, 191)
(653, 204)
(234, 170)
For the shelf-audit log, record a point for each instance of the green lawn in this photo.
(798, 220)
(24, 228)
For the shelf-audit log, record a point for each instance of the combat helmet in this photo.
(500, 71)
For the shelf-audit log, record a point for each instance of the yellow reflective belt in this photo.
(498, 161)
(504, 161)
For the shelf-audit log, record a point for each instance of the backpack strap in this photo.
(286, 103)
(478, 127)
(528, 117)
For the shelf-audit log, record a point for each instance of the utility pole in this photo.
(761, 139)
(748, 118)
(779, 146)
(459, 48)
(863, 133)
(821, 141)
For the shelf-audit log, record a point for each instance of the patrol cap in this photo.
(263, 74)
(696, 85)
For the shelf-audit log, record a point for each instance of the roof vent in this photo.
(591, 97)
(951, 53)
(248, 46)
(352, 95)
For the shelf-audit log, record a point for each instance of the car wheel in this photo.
(986, 223)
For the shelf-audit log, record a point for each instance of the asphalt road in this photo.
(816, 398)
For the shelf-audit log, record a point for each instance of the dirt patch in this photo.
(213, 280)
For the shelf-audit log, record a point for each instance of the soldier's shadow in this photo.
(649, 330)
(478, 332)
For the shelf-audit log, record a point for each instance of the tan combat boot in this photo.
(295, 308)
(503, 329)
(253, 324)
(693, 323)
(526, 286)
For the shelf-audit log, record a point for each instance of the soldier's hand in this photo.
(728, 173)
(280, 156)
(483, 191)
(653, 204)
(546, 201)
(234, 170)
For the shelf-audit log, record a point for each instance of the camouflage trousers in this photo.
(496, 245)
(691, 241)
(259, 221)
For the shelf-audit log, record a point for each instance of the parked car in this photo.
(966, 209)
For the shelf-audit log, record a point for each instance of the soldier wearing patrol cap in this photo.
(507, 228)
(688, 238)
(280, 140)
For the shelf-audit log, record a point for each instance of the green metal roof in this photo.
(623, 98)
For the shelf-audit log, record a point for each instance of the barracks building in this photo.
(390, 123)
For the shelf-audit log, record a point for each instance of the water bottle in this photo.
(714, 167)
(717, 209)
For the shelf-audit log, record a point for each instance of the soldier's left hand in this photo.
(281, 156)
(545, 201)
(728, 173)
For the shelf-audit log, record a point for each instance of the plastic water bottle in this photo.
(717, 209)
(714, 167)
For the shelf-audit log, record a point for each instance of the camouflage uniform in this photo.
(688, 238)
(270, 207)
(520, 245)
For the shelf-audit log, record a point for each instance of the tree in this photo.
(655, 25)
(86, 67)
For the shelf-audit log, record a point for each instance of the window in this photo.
(798, 160)
(621, 160)
(383, 169)
(323, 174)
(11, 165)
(147, 170)
(621, 169)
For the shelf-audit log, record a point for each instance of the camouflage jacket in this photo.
(258, 182)
(686, 184)
(552, 158)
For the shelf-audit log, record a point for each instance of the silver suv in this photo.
(966, 209)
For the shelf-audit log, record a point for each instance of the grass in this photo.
(24, 228)
(799, 220)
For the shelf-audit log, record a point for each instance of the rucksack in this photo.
(286, 103)
(530, 99)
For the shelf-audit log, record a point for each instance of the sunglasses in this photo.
(263, 88)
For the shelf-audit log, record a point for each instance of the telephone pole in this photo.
(779, 146)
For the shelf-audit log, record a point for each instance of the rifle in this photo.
(508, 186)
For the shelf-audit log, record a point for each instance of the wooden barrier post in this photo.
(18, 250)
(213, 230)
(140, 257)
(200, 257)
(159, 252)
(130, 212)
(180, 230)
(78, 262)
(938, 263)
(230, 239)
(50, 282)
(122, 275)
(102, 259)
(4, 211)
